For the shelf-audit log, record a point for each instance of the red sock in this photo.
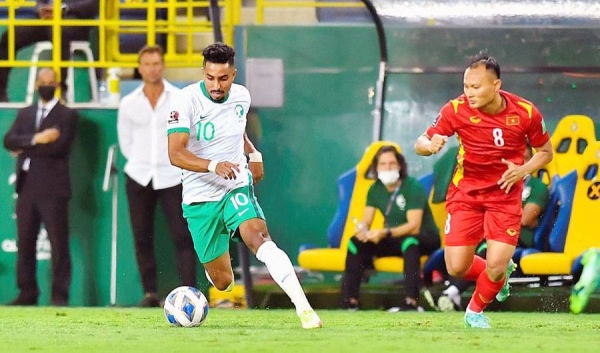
(477, 267)
(485, 292)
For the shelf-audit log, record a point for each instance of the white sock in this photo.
(469, 311)
(281, 269)
(453, 293)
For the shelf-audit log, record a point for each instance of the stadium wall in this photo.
(320, 132)
(329, 71)
(91, 221)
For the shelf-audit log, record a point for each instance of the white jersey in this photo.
(216, 133)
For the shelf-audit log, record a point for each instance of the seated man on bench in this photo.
(409, 229)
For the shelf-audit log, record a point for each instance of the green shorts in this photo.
(212, 224)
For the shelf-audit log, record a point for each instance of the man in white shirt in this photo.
(207, 139)
(150, 176)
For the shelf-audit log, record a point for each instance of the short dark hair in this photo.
(399, 157)
(219, 53)
(483, 57)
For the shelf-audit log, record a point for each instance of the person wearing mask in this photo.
(409, 230)
(41, 138)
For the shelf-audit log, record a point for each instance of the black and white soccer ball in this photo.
(186, 307)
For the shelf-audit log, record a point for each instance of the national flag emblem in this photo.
(512, 120)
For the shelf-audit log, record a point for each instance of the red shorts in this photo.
(490, 214)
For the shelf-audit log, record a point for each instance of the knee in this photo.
(258, 236)
(456, 270)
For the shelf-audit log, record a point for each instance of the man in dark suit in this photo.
(27, 35)
(41, 138)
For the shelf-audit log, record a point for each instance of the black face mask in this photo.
(46, 92)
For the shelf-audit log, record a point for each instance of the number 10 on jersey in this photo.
(205, 131)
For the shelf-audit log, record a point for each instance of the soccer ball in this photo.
(186, 306)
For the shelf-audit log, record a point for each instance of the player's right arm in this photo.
(436, 136)
(425, 146)
(178, 130)
(181, 157)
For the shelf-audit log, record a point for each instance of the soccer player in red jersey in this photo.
(484, 196)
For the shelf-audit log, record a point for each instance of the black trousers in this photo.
(28, 35)
(54, 214)
(142, 207)
(362, 259)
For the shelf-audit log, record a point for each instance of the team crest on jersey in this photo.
(512, 120)
(401, 202)
(239, 112)
(173, 117)
(475, 119)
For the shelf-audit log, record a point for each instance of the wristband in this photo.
(212, 165)
(255, 157)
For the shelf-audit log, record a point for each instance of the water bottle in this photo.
(114, 86)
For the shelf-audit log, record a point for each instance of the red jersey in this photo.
(484, 139)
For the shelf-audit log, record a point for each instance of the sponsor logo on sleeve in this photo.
(173, 117)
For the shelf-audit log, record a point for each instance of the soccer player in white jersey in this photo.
(207, 140)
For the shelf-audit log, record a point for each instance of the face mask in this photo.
(388, 177)
(46, 92)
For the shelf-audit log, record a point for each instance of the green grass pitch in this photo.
(90, 330)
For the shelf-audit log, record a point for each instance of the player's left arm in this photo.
(514, 173)
(542, 156)
(540, 140)
(255, 163)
